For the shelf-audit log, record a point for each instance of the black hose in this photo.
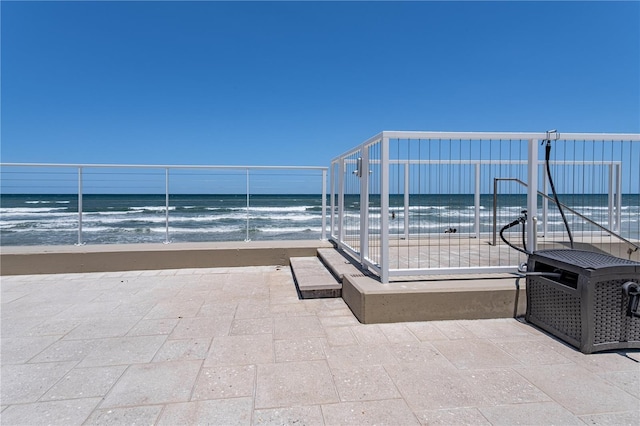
(553, 190)
(502, 237)
(524, 233)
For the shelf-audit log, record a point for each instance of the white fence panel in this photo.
(421, 203)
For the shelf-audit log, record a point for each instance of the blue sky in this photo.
(297, 83)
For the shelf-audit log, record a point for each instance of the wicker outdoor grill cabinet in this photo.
(583, 301)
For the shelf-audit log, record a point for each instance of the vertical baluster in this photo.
(406, 199)
(532, 193)
(247, 238)
(384, 210)
(476, 201)
(166, 206)
(80, 242)
(323, 235)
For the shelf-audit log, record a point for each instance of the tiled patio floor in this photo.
(233, 346)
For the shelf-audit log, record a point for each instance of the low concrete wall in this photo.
(134, 257)
(372, 302)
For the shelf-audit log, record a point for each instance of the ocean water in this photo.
(113, 219)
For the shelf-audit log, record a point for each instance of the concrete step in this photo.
(314, 281)
(372, 302)
(338, 264)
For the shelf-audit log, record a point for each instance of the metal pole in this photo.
(80, 242)
(476, 223)
(532, 193)
(610, 197)
(545, 204)
(495, 208)
(363, 173)
(384, 210)
(406, 200)
(166, 210)
(332, 183)
(341, 183)
(618, 198)
(247, 238)
(323, 235)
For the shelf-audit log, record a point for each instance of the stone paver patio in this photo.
(231, 346)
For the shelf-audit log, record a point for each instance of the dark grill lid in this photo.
(585, 259)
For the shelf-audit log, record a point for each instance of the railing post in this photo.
(495, 209)
(363, 173)
(545, 204)
(332, 203)
(247, 239)
(323, 235)
(615, 197)
(384, 210)
(406, 200)
(618, 219)
(610, 198)
(341, 183)
(532, 194)
(166, 205)
(80, 242)
(476, 223)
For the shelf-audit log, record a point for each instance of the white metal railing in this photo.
(254, 183)
(415, 203)
(614, 214)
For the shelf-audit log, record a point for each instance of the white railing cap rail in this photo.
(512, 135)
(161, 166)
(402, 134)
